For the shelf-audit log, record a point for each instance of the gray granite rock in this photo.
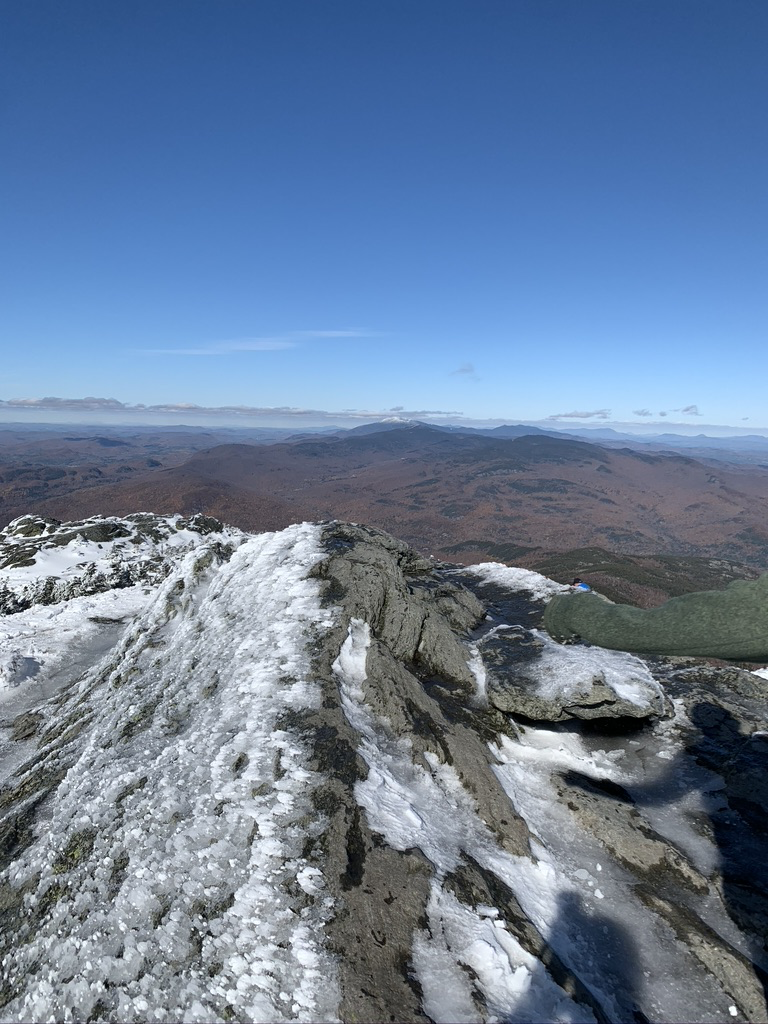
(581, 780)
(529, 675)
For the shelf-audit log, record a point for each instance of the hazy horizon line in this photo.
(110, 411)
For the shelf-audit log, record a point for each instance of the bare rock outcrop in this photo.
(313, 775)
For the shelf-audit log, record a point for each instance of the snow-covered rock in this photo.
(274, 777)
(528, 674)
(43, 561)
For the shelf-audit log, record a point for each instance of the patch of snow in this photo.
(538, 586)
(65, 563)
(622, 946)
(430, 809)
(463, 942)
(476, 666)
(562, 670)
(63, 638)
(614, 943)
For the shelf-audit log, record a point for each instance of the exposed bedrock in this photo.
(467, 820)
(528, 675)
(417, 682)
(419, 686)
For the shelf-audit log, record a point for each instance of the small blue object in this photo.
(580, 584)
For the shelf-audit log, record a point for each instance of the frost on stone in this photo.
(232, 785)
(592, 948)
(527, 673)
(539, 587)
(174, 876)
(45, 562)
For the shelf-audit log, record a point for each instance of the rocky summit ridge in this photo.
(313, 775)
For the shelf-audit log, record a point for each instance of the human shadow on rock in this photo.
(602, 954)
(740, 826)
(738, 817)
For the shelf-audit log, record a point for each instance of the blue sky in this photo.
(501, 210)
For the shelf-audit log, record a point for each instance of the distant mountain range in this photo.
(506, 430)
(740, 449)
(735, 448)
(461, 495)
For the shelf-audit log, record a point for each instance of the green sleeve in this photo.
(730, 624)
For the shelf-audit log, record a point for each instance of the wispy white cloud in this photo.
(112, 405)
(599, 414)
(642, 412)
(687, 410)
(225, 348)
(336, 334)
(292, 339)
(63, 403)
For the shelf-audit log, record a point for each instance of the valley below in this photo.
(643, 526)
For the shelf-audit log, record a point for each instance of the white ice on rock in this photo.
(513, 578)
(198, 806)
(67, 561)
(430, 809)
(50, 557)
(616, 944)
(604, 932)
(207, 901)
(462, 939)
(562, 672)
(59, 639)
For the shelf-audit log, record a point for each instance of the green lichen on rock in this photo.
(78, 848)
(26, 725)
(31, 526)
(140, 720)
(134, 787)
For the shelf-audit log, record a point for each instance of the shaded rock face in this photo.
(316, 776)
(417, 621)
(724, 732)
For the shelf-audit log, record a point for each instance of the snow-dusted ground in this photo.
(564, 671)
(132, 542)
(199, 818)
(46, 647)
(197, 806)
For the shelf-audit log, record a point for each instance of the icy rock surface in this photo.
(555, 683)
(273, 779)
(526, 673)
(49, 561)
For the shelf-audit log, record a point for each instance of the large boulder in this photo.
(528, 674)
